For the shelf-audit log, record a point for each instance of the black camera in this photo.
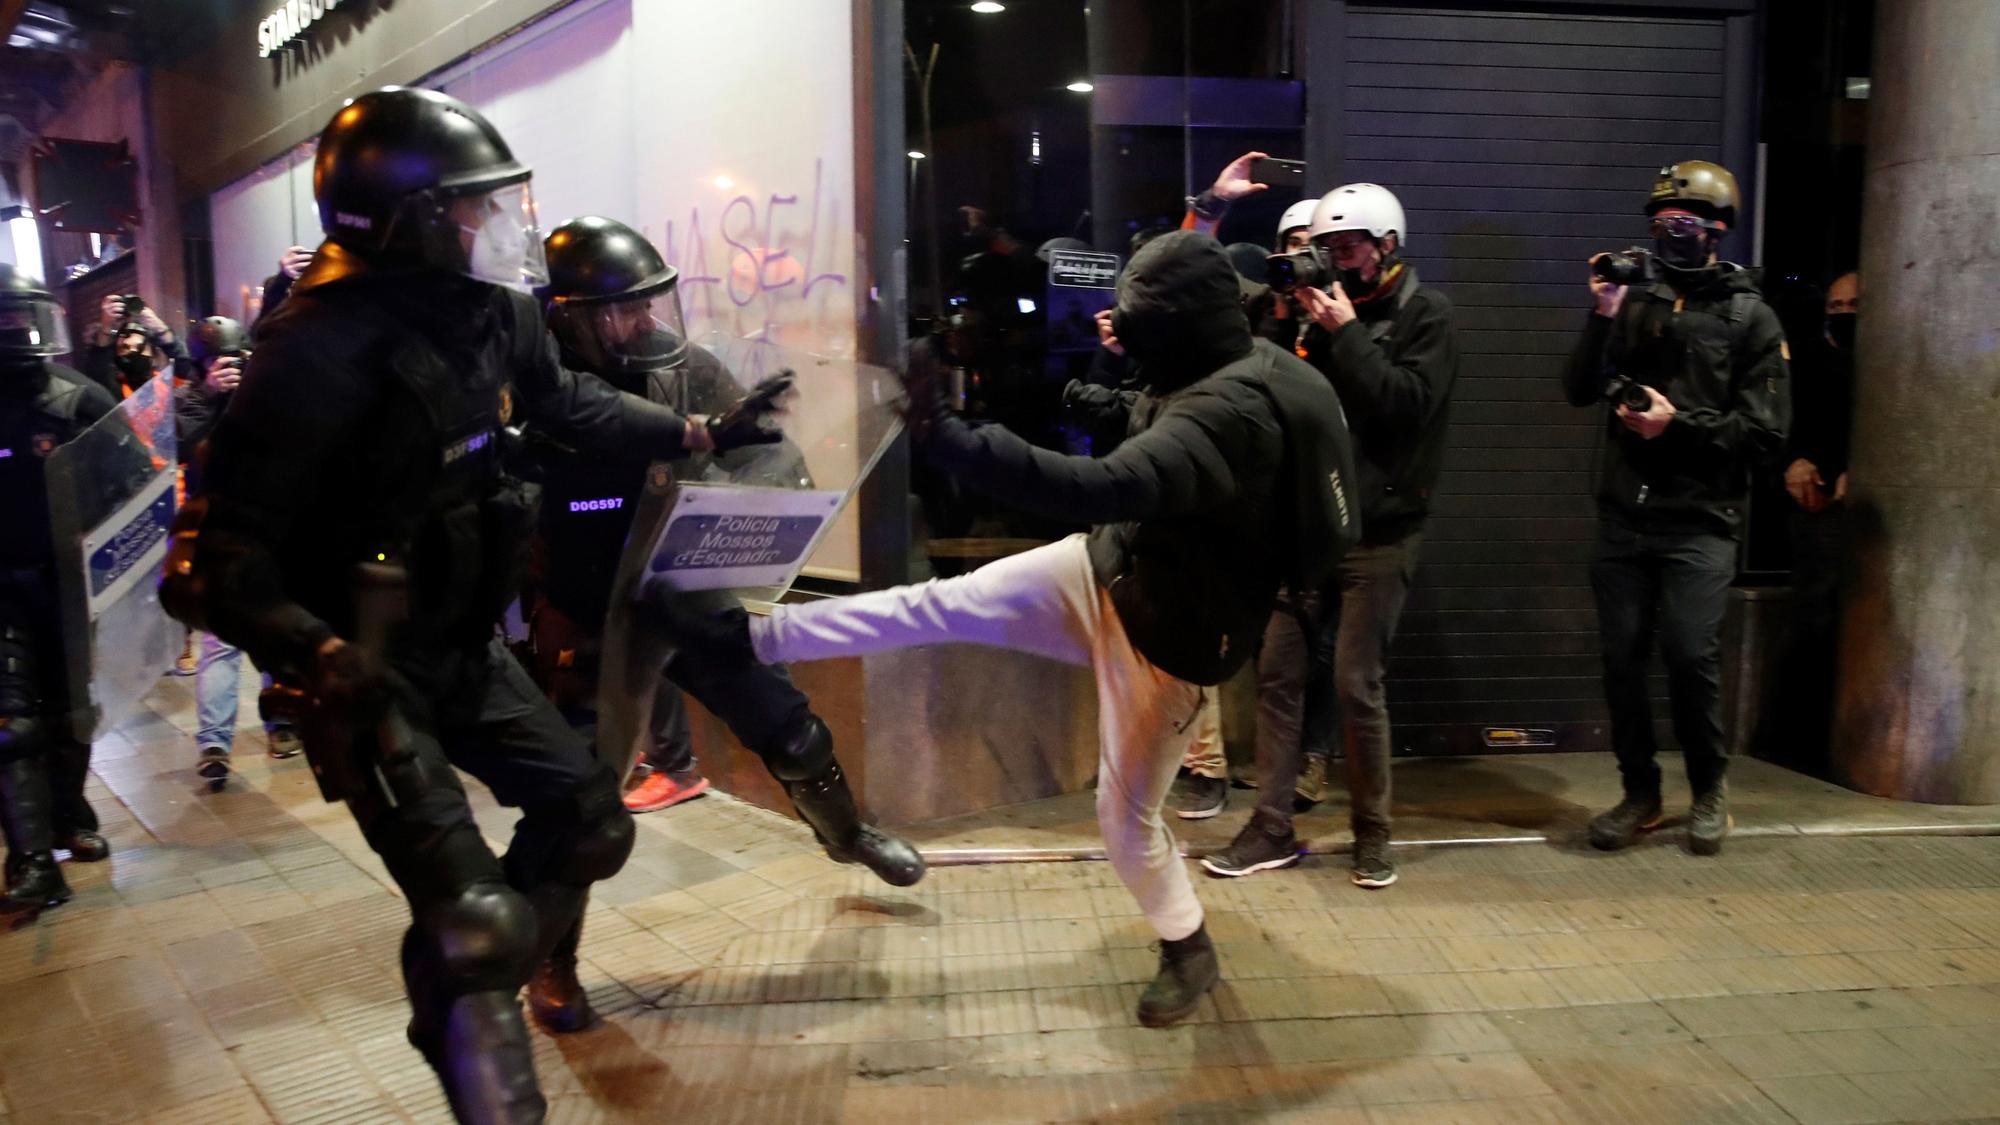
(1624, 267)
(133, 304)
(1304, 267)
(1620, 391)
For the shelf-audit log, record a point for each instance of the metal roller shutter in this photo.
(1519, 144)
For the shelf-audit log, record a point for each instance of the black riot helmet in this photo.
(216, 336)
(613, 301)
(32, 324)
(413, 176)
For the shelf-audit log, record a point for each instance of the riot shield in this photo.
(111, 501)
(743, 525)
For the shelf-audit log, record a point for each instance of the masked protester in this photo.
(42, 763)
(357, 536)
(614, 307)
(1231, 483)
(128, 345)
(1695, 363)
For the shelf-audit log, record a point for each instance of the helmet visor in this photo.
(34, 327)
(489, 236)
(635, 334)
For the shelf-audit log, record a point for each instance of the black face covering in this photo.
(1840, 329)
(137, 367)
(1682, 252)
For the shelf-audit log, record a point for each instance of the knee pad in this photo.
(19, 687)
(484, 938)
(21, 736)
(579, 840)
(803, 752)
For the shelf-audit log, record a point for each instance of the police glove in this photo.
(752, 420)
(350, 680)
(927, 397)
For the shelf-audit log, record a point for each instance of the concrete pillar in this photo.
(1917, 715)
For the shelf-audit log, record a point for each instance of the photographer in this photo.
(1386, 344)
(217, 350)
(1696, 362)
(128, 345)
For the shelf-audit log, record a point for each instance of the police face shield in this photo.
(636, 334)
(488, 236)
(32, 329)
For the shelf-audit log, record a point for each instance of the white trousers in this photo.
(1046, 602)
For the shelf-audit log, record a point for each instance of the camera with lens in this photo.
(1621, 391)
(133, 304)
(1305, 267)
(1631, 266)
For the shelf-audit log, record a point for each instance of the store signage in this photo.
(277, 30)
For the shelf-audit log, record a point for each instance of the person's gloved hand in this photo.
(752, 419)
(1088, 399)
(927, 397)
(351, 681)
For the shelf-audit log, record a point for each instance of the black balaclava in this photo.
(1840, 330)
(1180, 311)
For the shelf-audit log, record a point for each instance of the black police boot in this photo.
(827, 804)
(34, 882)
(555, 996)
(1188, 970)
(1621, 825)
(476, 1043)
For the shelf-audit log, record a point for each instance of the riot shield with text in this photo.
(111, 501)
(744, 524)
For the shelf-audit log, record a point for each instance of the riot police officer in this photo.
(357, 536)
(42, 764)
(613, 305)
(1696, 362)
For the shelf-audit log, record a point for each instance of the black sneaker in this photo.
(1619, 827)
(1187, 971)
(1372, 868)
(1314, 782)
(214, 767)
(1203, 797)
(1256, 848)
(1709, 821)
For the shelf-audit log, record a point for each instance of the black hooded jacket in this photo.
(1717, 351)
(1235, 478)
(1394, 367)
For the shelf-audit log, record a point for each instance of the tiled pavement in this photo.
(235, 961)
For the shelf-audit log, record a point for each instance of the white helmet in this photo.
(1369, 207)
(1298, 215)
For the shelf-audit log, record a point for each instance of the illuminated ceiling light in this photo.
(913, 154)
(723, 183)
(988, 8)
(1079, 87)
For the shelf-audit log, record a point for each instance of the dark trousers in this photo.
(1305, 693)
(34, 683)
(1799, 726)
(1672, 584)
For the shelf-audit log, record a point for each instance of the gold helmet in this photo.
(1706, 189)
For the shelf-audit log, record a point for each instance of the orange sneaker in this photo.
(659, 791)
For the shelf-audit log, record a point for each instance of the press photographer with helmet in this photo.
(357, 535)
(1385, 342)
(1695, 362)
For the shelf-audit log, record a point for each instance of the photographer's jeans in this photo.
(218, 680)
(1673, 583)
(1046, 602)
(1304, 696)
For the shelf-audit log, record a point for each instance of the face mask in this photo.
(1682, 252)
(1840, 329)
(137, 366)
(499, 250)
